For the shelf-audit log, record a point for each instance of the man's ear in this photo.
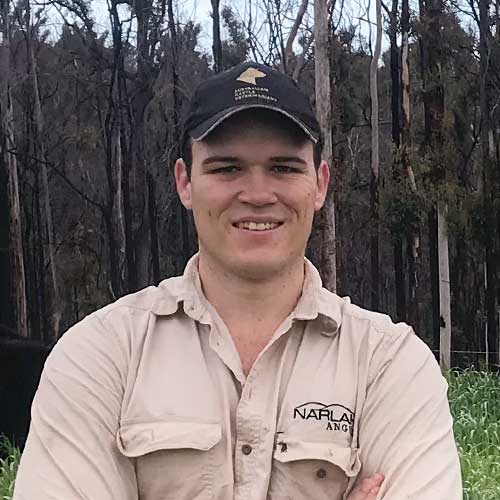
(323, 179)
(183, 183)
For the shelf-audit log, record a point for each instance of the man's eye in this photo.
(285, 169)
(224, 170)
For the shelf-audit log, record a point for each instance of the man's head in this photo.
(253, 175)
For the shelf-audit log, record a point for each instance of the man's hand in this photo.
(368, 488)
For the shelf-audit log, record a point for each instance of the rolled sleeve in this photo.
(406, 430)
(70, 451)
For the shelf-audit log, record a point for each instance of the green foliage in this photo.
(475, 405)
(403, 211)
(8, 468)
(350, 65)
(235, 49)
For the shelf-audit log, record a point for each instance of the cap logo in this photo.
(250, 75)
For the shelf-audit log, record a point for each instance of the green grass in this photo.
(8, 468)
(475, 405)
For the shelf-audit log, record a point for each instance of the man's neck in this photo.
(257, 305)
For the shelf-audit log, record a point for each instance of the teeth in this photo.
(257, 226)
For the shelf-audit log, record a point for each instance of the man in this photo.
(242, 379)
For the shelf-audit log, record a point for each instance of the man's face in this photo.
(253, 190)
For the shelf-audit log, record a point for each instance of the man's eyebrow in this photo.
(233, 159)
(288, 159)
(219, 159)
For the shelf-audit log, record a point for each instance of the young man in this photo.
(242, 379)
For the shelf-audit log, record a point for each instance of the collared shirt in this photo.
(147, 399)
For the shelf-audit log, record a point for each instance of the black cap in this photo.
(248, 85)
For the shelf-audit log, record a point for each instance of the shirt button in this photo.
(246, 449)
(321, 473)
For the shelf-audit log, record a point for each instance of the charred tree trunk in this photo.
(413, 234)
(375, 166)
(148, 22)
(153, 226)
(216, 44)
(41, 156)
(432, 65)
(12, 261)
(39, 262)
(285, 63)
(183, 216)
(113, 213)
(490, 180)
(399, 272)
(328, 265)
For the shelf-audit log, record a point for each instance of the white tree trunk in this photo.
(16, 230)
(444, 290)
(323, 111)
(8, 145)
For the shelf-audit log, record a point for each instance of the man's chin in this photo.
(259, 269)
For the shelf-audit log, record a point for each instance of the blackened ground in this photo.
(21, 364)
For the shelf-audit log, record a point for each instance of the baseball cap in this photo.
(247, 85)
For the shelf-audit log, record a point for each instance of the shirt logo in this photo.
(336, 417)
(250, 75)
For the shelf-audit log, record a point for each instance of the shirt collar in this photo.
(316, 303)
(185, 289)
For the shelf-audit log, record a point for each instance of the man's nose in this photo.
(257, 189)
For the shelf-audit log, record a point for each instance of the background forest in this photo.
(409, 101)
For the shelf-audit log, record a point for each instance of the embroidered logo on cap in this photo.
(250, 75)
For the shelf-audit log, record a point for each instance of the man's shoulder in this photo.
(351, 314)
(156, 299)
(381, 339)
(381, 323)
(129, 316)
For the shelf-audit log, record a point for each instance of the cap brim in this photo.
(203, 129)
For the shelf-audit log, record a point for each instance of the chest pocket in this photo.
(173, 460)
(304, 470)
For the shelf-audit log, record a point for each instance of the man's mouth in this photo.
(257, 226)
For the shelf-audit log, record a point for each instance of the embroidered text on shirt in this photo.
(336, 416)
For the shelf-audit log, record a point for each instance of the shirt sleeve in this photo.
(70, 451)
(406, 429)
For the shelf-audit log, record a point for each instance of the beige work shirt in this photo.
(146, 399)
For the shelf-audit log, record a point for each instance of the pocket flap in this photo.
(290, 450)
(137, 439)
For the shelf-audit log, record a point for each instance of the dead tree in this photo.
(490, 184)
(375, 164)
(216, 40)
(285, 63)
(328, 265)
(41, 154)
(413, 235)
(183, 216)
(432, 67)
(9, 161)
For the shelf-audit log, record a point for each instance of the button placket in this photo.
(248, 426)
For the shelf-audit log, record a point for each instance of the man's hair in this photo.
(265, 117)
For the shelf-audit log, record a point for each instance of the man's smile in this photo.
(257, 226)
